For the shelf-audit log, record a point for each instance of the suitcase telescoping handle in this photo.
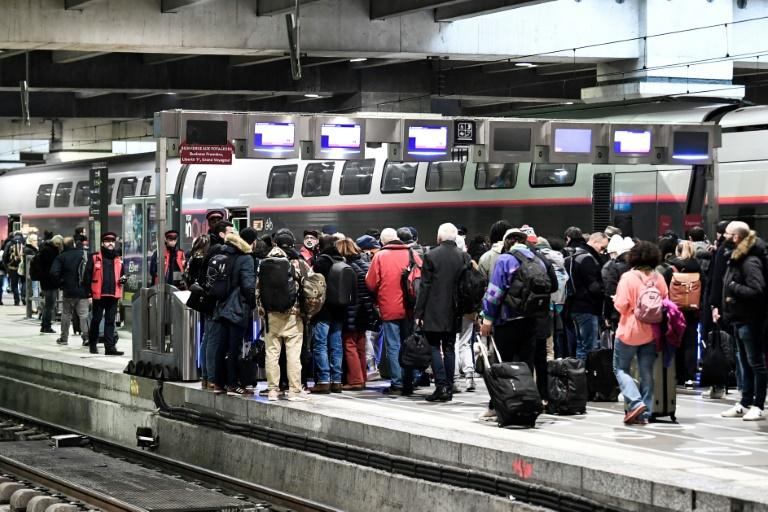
(484, 352)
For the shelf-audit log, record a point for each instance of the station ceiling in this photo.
(78, 80)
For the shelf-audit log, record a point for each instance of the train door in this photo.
(239, 217)
(635, 205)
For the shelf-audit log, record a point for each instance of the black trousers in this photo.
(228, 352)
(104, 307)
(516, 341)
(686, 359)
(443, 361)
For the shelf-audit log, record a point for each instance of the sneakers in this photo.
(61, 342)
(688, 384)
(238, 390)
(47, 330)
(634, 414)
(470, 384)
(713, 393)
(487, 415)
(754, 414)
(272, 395)
(737, 411)
(301, 396)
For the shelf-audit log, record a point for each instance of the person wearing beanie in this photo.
(496, 236)
(369, 246)
(618, 249)
(329, 229)
(173, 261)
(103, 281)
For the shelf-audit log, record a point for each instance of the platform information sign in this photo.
(206, 154)
(340, 136)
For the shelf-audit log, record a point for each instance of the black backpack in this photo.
(340, 284)
(470, 289)
(35, 273)
(277, 284)
(218, 275)
(530, 291)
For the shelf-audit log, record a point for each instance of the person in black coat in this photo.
(327, 347)
(744, 305)
(68, 269)
(435, 310)
(586, 304)
(361, 317)
(43, 263)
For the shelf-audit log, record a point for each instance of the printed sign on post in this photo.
(206, 154)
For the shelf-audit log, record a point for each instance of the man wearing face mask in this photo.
(310, 247)
(103, 281)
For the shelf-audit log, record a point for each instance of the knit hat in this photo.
(249, 235)
(367, 242)
(284, 239)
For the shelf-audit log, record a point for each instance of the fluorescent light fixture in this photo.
(311, 95)
(171, 93)
(359, 59)
(525, 64)
(568, 103)
(690, 157)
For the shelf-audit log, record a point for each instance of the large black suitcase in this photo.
(567, 386)
(602, 385)
(513, 392)
(664, 389)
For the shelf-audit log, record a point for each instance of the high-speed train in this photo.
(356, 195)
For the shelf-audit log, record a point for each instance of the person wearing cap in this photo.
(409, 236)
(103, 281)
(369, 246)
(310, 246)
(214, 217)
(618, 250)
(174, 261)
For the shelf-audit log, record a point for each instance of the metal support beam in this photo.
(68, 57)
(273, 7)
(78, 4)
(321, 61)
(480, 7)
(381, 10)
(241, 62)
(177, 5)
(376, 63)
(153, 59)
(5, 54)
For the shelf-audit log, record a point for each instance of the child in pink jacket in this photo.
(633, 337)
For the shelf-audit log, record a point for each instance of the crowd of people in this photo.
(336, 310)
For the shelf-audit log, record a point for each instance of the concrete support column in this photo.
(679, 56)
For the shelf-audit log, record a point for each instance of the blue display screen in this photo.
(690, 145)
(573, 140)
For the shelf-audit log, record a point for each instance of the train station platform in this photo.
(702, 463)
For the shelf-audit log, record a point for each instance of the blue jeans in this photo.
(328, 352)
(622, 359)
(587, 332)
(749, 338)
(212, 339)
(391, 330)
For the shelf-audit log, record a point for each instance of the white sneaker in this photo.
(712, 393)
(737, 411)
(754, 414)
(301, 396)
(487, 415)
(272, 395)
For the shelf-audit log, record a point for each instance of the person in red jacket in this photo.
(103, 281)
(384, 280)
(174, 261)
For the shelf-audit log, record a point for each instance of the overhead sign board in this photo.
(338, 138)
(426, 140)
(206, 139)
(692, 144)
(573, 143)
(206, 154)
(512, 141)
(635, 144)
(464, 132)
(272, 136)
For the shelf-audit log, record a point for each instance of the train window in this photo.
(126, 188)
(63, 193)
(110, 188)
(553, 175)
(444, 176)
(399, 177)
(490, 176)
(44, 196)
(199, 185)
(145, 184)
(317, 179)
(282, 179)
(82, 193)
(356, 177)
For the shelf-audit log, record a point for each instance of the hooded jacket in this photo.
(495, 307)
(744, 298)
(66, 269)
(47, 254)
(488, 260)
(586, 280)
(242, 286)
(383, 279)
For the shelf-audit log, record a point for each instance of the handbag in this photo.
(415, 352)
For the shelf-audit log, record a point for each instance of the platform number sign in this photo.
(465, 132)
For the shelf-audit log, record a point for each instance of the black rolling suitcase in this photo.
(567, 386)
(602, 385)
(247, 365)
(664, 389)
(513, 392)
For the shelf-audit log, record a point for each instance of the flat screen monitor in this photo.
(690, 145)
(632, 142)
(206, 132)
(427, 140)
(274, 135)
(340, 136)
(573, 140)
(511, 139)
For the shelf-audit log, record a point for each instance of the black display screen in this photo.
(511, 139)
(212, 133)
(690, 145)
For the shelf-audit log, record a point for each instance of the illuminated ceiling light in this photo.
(359, 59)
(525, 64)
(171, 93)
(568, 103)
(311, 95)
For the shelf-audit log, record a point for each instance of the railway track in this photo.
(17, 476)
